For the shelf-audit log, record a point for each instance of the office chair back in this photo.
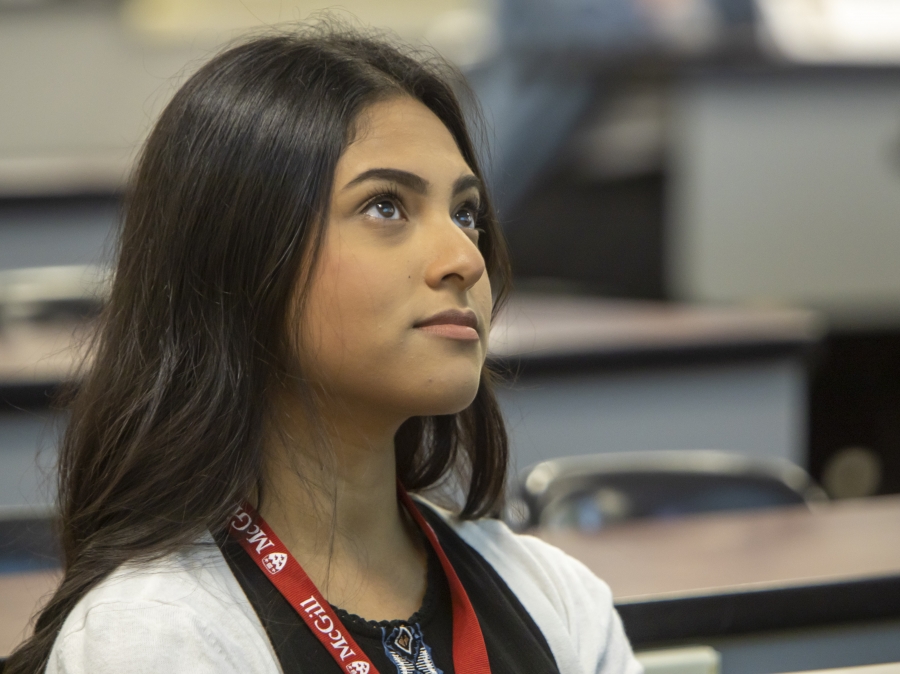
(591, 492)
(28, 540)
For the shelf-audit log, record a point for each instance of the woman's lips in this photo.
(453, 324)
(452, 331)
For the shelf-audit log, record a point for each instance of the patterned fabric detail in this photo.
(406, 649)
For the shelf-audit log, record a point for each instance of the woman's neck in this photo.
(333, 502)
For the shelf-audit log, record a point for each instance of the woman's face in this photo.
(398, 312)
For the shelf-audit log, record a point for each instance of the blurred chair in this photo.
(591, 492)
(28, 540)
(42, 294)
(28, 544)
(683, 660)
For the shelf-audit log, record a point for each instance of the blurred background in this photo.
(702, 199)
(713, 185)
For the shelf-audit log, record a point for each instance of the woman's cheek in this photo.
(481, 293)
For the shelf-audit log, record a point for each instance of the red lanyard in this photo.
(286, 574)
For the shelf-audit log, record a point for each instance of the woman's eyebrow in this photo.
(411, 180)
(466, 182)
(414, 182)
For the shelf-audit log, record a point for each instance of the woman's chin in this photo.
(449, 400)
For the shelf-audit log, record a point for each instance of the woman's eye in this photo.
(384, 209)
(465, 218)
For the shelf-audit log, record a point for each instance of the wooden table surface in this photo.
(40, 353)
(20, 595)
(722, 553)
(542, 326)
(532, 326)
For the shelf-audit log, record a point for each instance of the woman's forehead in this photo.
(401, 133)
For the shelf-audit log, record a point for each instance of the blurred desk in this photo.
(589, 376)
(554, 331)
(889, 668)
(774, 591)
(20, 595)
(592, 375)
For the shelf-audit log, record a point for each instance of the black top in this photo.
(422, 644)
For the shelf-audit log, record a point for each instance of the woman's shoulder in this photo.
(182, 612)
(572, 606)
(523, 556)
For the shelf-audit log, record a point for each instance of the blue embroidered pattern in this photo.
(406, 649)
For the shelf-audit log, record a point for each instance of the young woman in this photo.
(296, 339)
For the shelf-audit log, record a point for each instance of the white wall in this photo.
(787, 188)
(79, 83)
(88, 81)
(755, 408)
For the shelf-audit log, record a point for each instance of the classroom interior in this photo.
(701, 357)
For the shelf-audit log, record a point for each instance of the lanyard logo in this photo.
(274, 562)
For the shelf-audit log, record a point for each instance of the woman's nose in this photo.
(454, 256)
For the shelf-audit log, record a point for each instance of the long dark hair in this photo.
(224, 214)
